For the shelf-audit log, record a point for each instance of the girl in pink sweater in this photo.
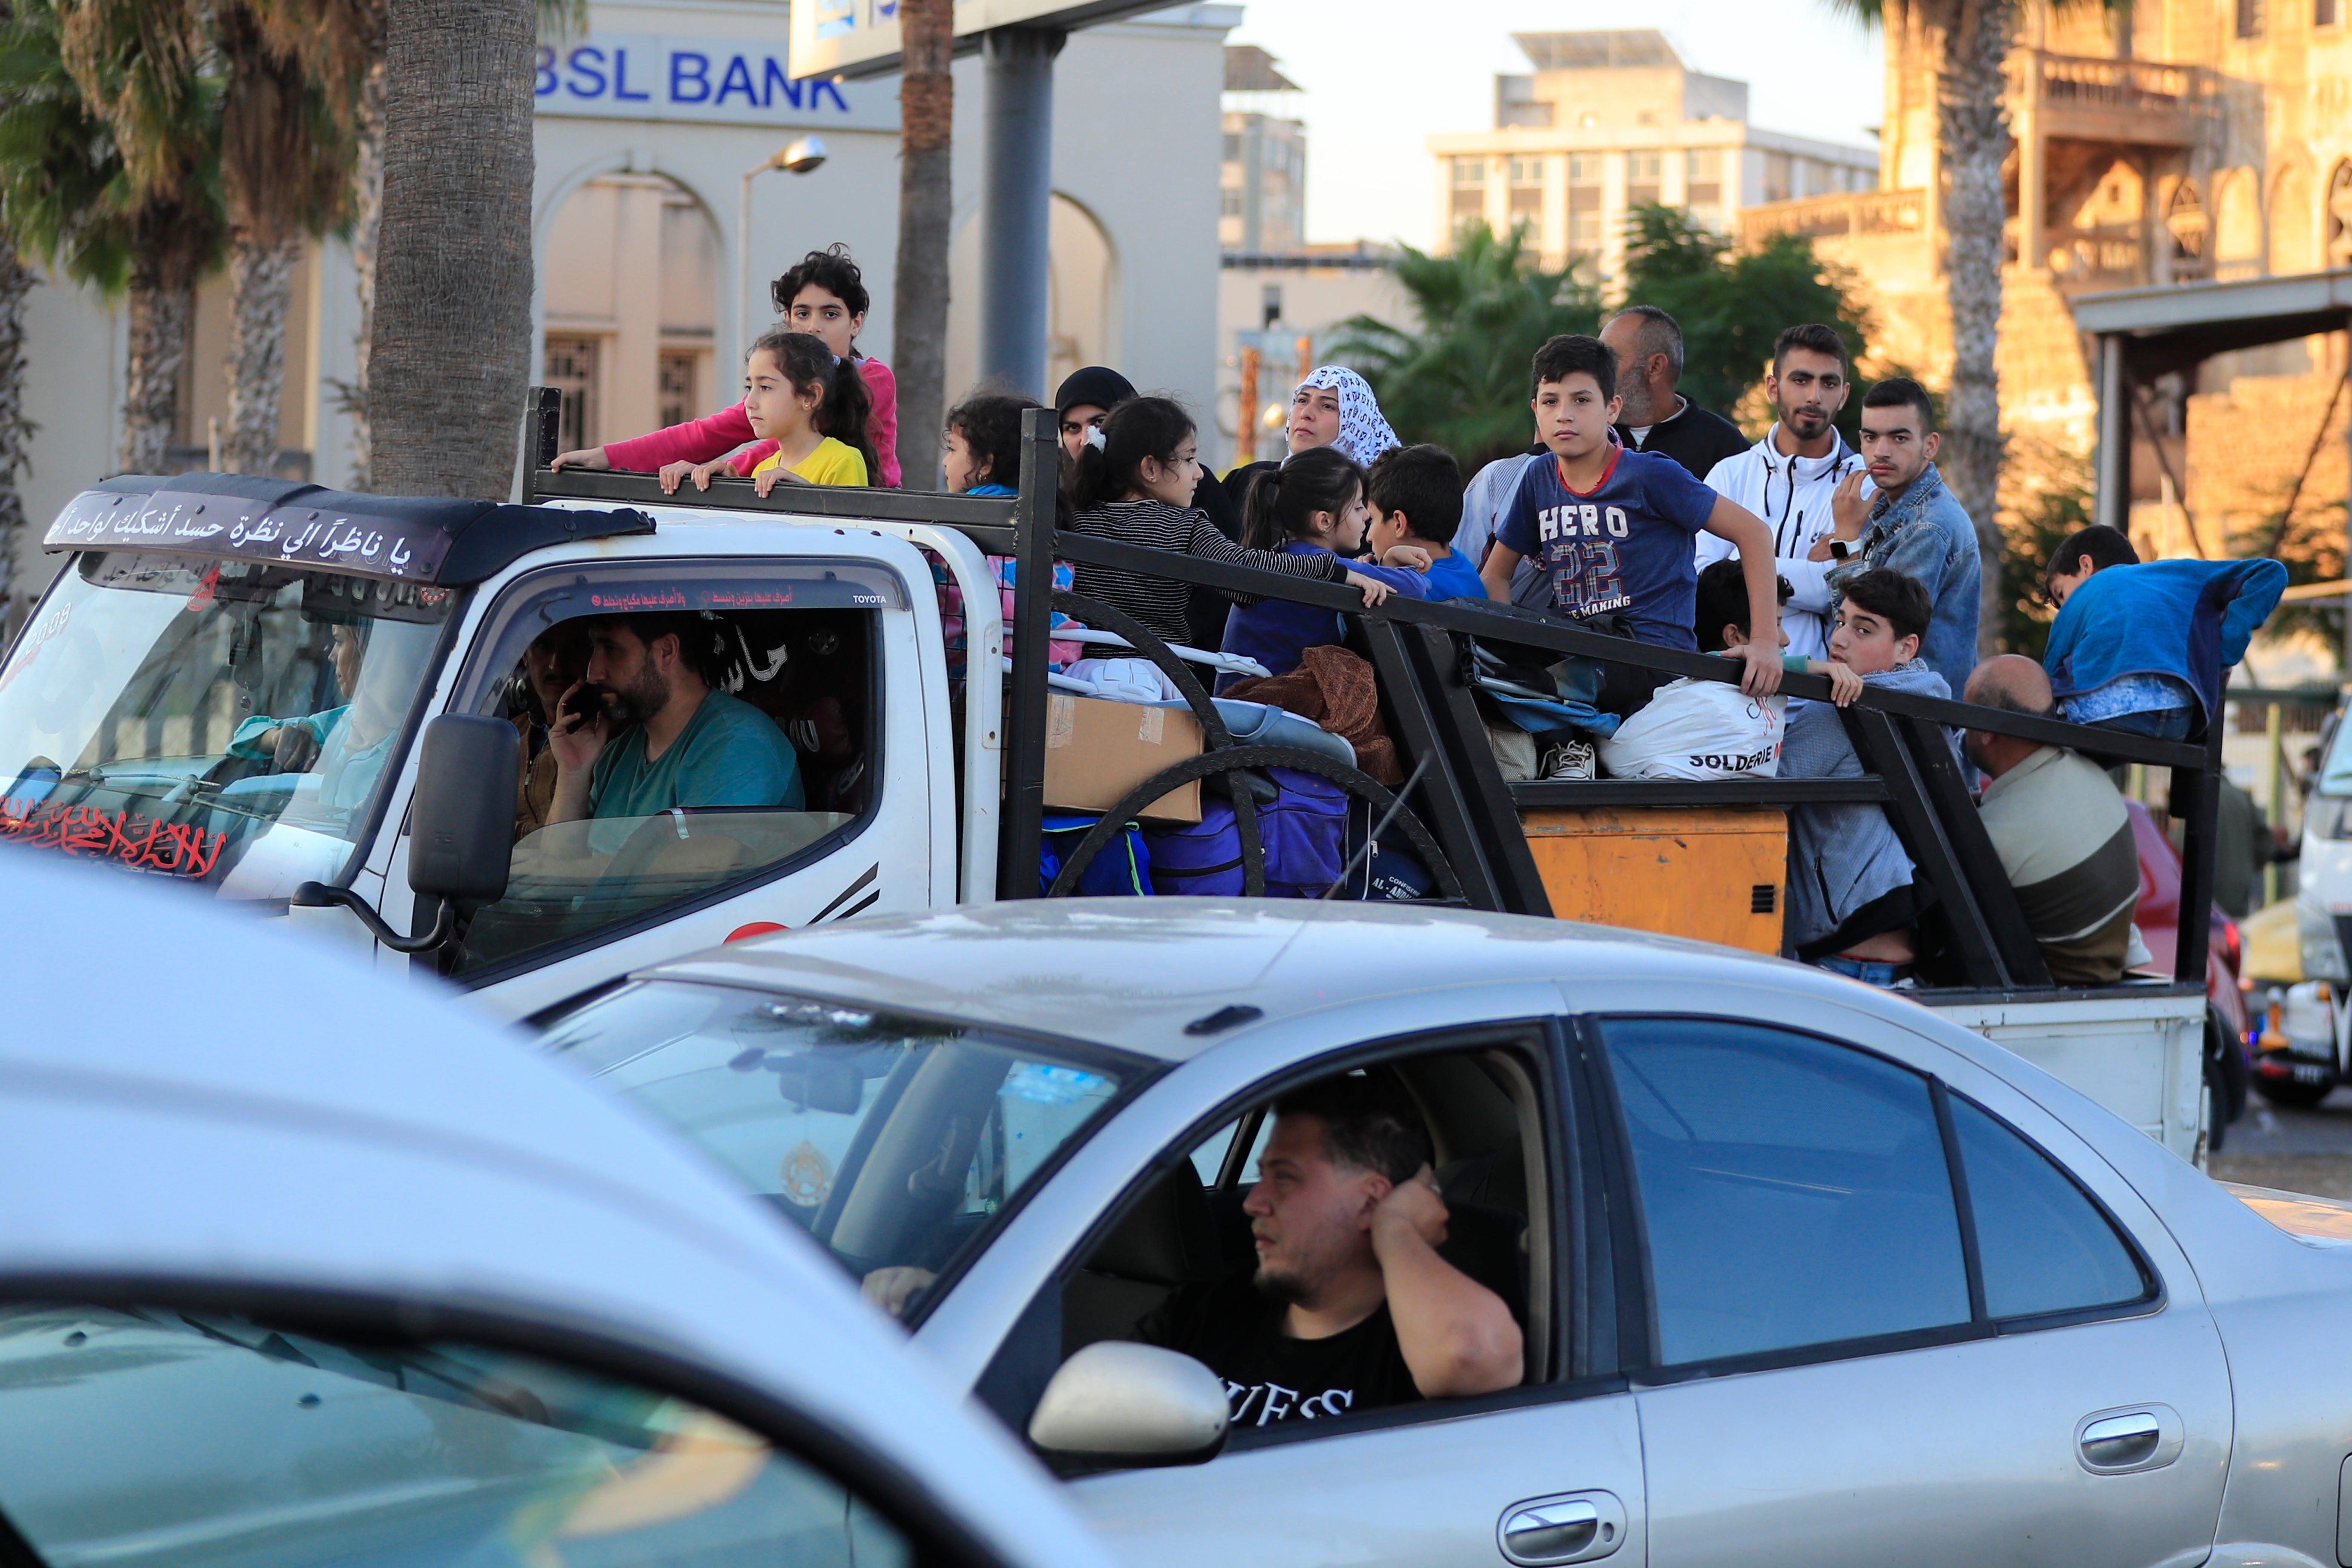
(825, 296)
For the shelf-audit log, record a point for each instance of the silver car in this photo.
(1805, 1275)
(301, 1265)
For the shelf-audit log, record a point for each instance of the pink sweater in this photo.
(700, 440)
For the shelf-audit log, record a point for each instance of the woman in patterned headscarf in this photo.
(1333, 406)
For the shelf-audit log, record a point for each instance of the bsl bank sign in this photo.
(728, 82)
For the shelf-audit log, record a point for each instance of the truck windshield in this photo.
(895, 1141)
(226, 723)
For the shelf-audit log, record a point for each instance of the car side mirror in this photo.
(1120, 1402)
(462, 820)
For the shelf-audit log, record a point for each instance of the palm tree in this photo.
(141, 214)
(920, 293)
(1462, 379)
(451, 351)
(285, 167)
(1970, 40)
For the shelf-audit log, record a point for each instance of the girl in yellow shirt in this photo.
(808, 409)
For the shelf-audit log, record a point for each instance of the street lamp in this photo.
(803, 155)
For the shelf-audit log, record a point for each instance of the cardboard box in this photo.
(1095, 751)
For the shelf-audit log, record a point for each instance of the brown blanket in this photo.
(1334, 688)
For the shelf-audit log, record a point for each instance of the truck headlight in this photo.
(2323, 954)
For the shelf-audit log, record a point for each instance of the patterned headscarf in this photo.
(1363, 433)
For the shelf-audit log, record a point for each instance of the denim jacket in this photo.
(1924, 532)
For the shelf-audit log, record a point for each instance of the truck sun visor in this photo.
(403, 539)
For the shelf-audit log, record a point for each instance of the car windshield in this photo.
(221, 722)
(2336, 775)
(895, 1141)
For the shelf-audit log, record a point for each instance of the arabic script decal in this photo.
(176, 849)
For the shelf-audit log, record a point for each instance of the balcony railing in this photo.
(1839, 216)
(2140, 87)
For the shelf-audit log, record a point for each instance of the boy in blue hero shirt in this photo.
(1612, 531)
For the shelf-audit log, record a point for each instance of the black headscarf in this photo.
(1096, 384)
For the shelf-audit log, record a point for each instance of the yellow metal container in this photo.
(1711, 875)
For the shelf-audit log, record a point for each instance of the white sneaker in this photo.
(1571, 760)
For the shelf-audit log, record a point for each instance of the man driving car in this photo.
(645, 729)
(1349, 1306)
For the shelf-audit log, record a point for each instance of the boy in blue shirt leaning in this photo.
(2141, 648)
(1611, 529)
(1416, 498)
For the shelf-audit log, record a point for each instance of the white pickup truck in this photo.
(304, 702)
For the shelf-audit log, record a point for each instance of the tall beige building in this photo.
(1609, 121)
(2191, 139)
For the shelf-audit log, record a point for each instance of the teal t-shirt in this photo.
(730, 753)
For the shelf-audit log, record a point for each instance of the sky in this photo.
(1383, 76)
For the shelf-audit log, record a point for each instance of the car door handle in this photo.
(1574, 1527)
(2129, 1439)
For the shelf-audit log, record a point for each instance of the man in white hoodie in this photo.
(1798, 477)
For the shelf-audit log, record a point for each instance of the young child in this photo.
(1415, 493)
(1611, 529)
(984, 445)
(824, 295)
(1136, 487)
(1851, 902)
(1722, 627)
(1312, 506)
(2142, 648)
(802, 403)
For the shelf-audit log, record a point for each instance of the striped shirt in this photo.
(2065, 844)
(1158, 601)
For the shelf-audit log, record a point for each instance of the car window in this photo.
(786, 765)
(894, 1139)
(1209, 1159)
(2044, 1246)
(154, 1437)
(1793, 1191)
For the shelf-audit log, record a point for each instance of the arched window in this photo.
(2339, 213)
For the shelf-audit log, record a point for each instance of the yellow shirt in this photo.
(832, 463)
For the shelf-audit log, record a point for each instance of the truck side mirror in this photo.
(1120, 1403)
(461, 822)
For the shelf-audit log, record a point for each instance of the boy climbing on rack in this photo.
(1612, 531)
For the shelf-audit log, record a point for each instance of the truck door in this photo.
(1888, 1326)
(829, 650)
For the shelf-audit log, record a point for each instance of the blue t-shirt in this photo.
(1622, 548)
(1456, 577)
(1279, 632)
(730, 753)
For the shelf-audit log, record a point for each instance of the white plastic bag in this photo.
(1699, 729)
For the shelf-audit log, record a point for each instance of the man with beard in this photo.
(1348, 1307)
(1797, 478)
(645, 732)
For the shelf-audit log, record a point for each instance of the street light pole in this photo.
(803, 155)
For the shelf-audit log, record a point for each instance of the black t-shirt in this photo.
(1236, 1330)
(1698, 438)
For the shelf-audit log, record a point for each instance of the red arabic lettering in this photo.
(145, 844)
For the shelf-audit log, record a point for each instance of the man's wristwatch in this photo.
(1840, 549)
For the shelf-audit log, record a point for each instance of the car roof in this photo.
(186, 1095)
(1133, 973)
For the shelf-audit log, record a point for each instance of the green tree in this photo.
(1732, 303)
(2049, 497)
(1461, 378)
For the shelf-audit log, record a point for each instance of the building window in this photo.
(570, 368)
(1229, 203)
(1526, 187)
(677, 375)
(1585, 231)
(1702, 177)
(1526, 171)
(1469, 170)
(1643, 171)
(1778, 177)
(2250, 18)
(1233, 147)
(1584, 169)
(2326, 13)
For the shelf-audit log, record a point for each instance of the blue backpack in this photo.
(1120, 867)
(1305, 829)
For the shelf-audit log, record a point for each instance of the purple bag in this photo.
(1304, 829)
